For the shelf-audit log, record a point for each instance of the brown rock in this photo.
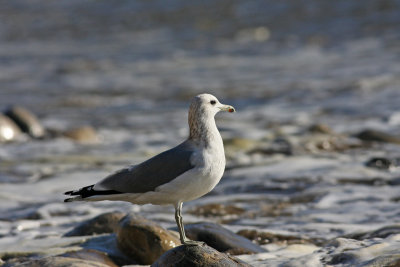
(61, 262)
(8, 129)
(221, 238)
(320, 128)
(26, 120)
(101, 224)
(217, 209)
(91, 255)
(196, 256)
(143, 240)
(84, 134)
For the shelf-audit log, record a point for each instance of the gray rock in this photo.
(383, 260)
(196, 256)
(378, 136)
(142, 240)
(8, 129)
(26, 120)
(92, 255)
(221, 238)
(61, 262)
(380, 233)
(101, 224)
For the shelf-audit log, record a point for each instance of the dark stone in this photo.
(377, 136)
(101, 224)
(196, 256)
(380, 233)
(26, 120)
(142, 240)
(384, 260)
(221, 238)
(8, 129)
(382, 163)
(92, 255)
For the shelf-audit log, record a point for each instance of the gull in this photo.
(183, 173)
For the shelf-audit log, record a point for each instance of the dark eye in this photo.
(213, 102)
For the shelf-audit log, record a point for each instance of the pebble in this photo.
(378, 136)
(84, 134)
(8, 129)
(142, 240)
(92, 255)
(320, 128)
(216, 209)
(382, 163)
(221, 238)
(60, 261)
(196, 256)
(26, 120)
(101, 224)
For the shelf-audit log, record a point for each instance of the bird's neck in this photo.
(204, 131)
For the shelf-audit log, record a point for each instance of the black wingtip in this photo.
(68, 193)
(68, 200)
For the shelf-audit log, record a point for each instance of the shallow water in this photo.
(129, 69)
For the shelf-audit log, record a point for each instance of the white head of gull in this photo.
(183, 173)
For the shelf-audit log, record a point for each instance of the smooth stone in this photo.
(320, 128)
(102, 224)
(196, 256)
(92, 255)
(384, 260)
(26, 120)
(8, 129)
(61, 261)
(84, 134)
(382, 163)
(379, 233)
(378, 136)
(142, 240)
(221, 238)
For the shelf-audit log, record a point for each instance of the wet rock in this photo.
(380, 233)
(378, 136)
(101, 224)
(26, 120)
(221, 238)
(8, 129)
(277, 146)
(384, 260)
(84, 134)
(92, 255)
(61, 261)
(382, 163)
(216, 209)
(142, 240)
(196, 256)
(320, 128)
(263, 238)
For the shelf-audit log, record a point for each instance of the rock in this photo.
(92, 255)
(277, 146)
(143, 240)
(379, 233)
(8, 129)
(26, 120)
(382, 163)
(263, 238)
(61, 262)
(196, 256)
(377, 136)
(221, 238)
(320, 128)
(384, 260)
(216, 209)
(101, 224)
(84, 134)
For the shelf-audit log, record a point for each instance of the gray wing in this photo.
(152, 173)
